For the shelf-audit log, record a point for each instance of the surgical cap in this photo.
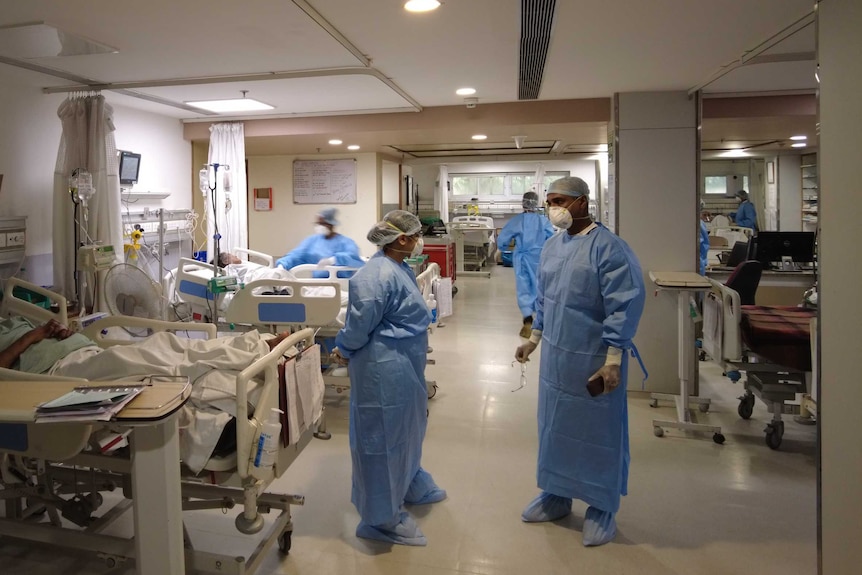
(530, 201)
(742, 195)
(394, 224)
(570, 186)
(328, 215)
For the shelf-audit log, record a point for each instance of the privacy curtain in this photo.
(227, 147)
(441, 197)
(87, 142)
(539, 183)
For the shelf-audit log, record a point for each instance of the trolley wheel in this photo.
(658, 431)
(284, 542)
(454, 290)
(653, 403)
(322, 435)
(703, 407)
(718, 438)
(774, 435)
(702, 356)
(746, 406)
(432, 391)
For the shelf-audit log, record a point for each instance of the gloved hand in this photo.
(611, 374)
(522, 354)
(330, 261)
(338, 358)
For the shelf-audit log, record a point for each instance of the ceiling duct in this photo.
(537, 19)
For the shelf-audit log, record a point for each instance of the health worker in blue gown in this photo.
(385, 341)
(745, 216)
(325, 248)
(530, 230)
(590, 300)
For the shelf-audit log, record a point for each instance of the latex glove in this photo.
(338, 358)
(611, 374)
(522, 354)
(330, 261)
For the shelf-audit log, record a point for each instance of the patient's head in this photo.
(226, 258)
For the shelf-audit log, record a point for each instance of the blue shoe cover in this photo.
(547, 507)
(403, 532)
(423, 490)
(599, 527)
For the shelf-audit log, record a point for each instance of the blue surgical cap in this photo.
(571, 186)
(329, 216)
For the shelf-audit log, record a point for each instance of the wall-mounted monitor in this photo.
(130, 165)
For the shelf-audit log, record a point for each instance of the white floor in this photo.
(693, 507)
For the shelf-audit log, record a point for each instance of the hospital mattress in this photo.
(779, 334)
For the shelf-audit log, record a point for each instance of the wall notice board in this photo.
(324, 181)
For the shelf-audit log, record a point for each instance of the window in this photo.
(498, 186)
(724, 185)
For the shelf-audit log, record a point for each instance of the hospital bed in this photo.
(474, 244)
(772, 345)
(56, 459)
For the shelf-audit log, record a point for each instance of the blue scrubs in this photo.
(745, 216)
(591, 296)
(386, 339)
(317, 247)
(704, 246)
(530, 231)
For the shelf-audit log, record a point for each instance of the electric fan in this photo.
(129, 291)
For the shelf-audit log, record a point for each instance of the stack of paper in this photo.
(88, 403)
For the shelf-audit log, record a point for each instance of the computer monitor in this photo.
(738, 254)
(130, 165)
(771, 247)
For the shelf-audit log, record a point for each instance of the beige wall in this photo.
(282, 229)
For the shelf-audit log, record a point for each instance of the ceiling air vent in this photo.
(537, 18)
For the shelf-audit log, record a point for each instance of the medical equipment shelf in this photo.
(810, 192)
(684, 283)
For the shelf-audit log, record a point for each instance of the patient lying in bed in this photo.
(211, 365)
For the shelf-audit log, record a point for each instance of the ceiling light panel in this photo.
(421, 5)
(231, 105)
(31, 41)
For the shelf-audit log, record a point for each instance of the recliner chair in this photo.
(744, 280)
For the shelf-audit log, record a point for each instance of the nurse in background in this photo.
(385, 341)
(745, 216)
(530, 230)
(325, 248)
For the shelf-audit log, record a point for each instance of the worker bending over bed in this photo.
(590, 300)
(325, 248)
(385, 339)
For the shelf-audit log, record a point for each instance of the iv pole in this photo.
(213, 185)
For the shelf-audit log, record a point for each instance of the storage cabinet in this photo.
(810, 193)
(442, 252)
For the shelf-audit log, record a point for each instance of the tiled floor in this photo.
(693, 507)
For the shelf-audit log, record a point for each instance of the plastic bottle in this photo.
(267, 445)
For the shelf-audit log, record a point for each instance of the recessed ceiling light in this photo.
(798, 137)
(480, 137)
(231, 105)
(335, 142)
(352, 147)
(798, 145)
(421, 5)
(465, 91)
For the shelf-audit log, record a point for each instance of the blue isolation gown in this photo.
(745, 216)
(317, 247)
(386, 339)
(591, 296)
(704, 246)
(530, 231)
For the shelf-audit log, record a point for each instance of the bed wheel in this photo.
(774, 435)
(322, 435)
(658, 431)
(284, 542)
(718, 438)
(746, 406)
(653, 403)
(704, 408)
(432, 391)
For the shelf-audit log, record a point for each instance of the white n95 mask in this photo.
(417, 249)
(560, 217)
(321, 230)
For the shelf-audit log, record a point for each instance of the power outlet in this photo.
(2, 240)
(14, 239)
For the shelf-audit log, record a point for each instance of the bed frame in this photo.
(225, 483)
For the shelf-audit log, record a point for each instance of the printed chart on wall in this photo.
(324, 181)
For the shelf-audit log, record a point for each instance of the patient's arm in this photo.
(52, 328)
